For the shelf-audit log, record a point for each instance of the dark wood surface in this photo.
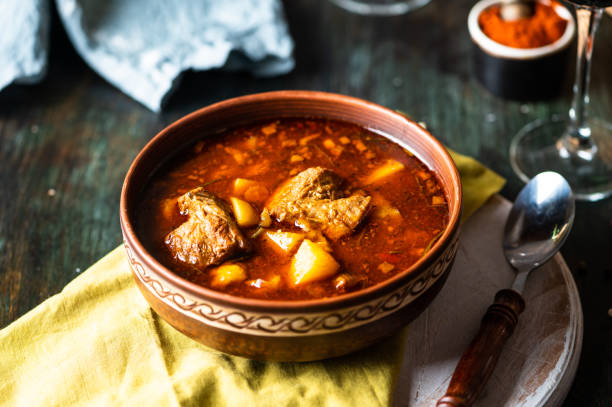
(75, 135)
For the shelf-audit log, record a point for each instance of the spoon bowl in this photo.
(539, 222)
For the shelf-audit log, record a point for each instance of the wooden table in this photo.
(66, 144)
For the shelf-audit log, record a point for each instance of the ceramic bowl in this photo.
(519, 73)
(290, 330)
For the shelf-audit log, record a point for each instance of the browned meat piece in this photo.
(313, 200)
(337, 218)
(210, 235)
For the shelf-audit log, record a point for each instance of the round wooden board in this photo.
(539, 362)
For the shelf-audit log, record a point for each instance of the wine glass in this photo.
(578, 147)
(380, 7)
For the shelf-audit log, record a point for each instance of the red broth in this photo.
(408, 213)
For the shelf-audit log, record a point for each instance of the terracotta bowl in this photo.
(290, 330)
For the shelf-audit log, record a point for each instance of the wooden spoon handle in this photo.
(479, 359)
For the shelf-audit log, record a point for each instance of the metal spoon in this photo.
(537, 226)
(511, 10)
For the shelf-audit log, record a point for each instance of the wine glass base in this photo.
(380, 7)
(539, 147)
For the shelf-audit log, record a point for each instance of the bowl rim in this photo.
(287, 306)
(503, 51)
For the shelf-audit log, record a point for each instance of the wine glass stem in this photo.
(577, 138)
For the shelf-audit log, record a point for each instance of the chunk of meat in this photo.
(210, 235)
(314, 200)
(337, 218)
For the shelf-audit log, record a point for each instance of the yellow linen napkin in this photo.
(477, 181)
(98, 343)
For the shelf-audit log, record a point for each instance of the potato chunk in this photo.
(437, 200)
(244, 213)
(311, 263)
(389, 168)
(252, 191)
(383, 208)
(387, 211)
(317, 237)
(269, 129)
(285, 241)
(385, 267)
(227, 274)
(242, 184)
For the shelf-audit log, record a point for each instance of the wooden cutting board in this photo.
(539, 361)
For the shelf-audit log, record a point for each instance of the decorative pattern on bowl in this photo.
(235, 319)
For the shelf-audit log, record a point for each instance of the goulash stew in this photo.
(292, 209)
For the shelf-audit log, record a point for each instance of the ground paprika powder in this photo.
(543, 28)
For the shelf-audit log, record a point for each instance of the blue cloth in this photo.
(24, 41)
(142, 46)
